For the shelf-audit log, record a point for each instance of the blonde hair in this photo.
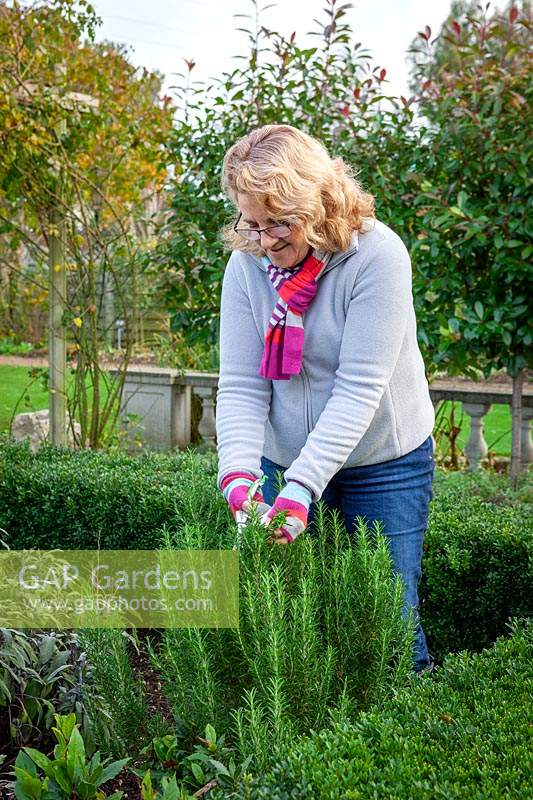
(293, 176)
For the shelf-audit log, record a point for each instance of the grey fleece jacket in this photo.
(361, 397)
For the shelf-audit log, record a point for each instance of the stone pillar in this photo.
(207, 424)
(162, 404)
(526, 444)
(476, 448)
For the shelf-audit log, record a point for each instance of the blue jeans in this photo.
(397, 493)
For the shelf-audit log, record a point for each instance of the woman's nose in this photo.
(268, 241)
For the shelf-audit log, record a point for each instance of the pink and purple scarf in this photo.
(284, 339)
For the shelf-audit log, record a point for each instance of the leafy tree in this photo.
(445, 56)
(314, 88)
(474, 202)
(428, 66)
(79, 175)
(407, 151)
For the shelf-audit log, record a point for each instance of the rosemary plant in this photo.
(322, 634)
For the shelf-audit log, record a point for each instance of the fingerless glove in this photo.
(295, 498)
(235, 487)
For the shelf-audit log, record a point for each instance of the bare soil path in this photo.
(31, 360)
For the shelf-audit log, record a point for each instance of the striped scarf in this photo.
(284, 339)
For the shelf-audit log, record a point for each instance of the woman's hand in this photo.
(258, 502)
(294, 499)
(235, 487)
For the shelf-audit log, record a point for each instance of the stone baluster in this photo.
(526, 444)
(161, 399)
(181, 419)
(476, 448)
(207, 424)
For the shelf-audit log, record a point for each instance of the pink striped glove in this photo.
(235, 487)
(294, 498)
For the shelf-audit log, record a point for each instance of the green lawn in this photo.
(497, 427)
(17, 387)
(13, 381)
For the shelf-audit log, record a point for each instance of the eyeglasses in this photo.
(254, 234)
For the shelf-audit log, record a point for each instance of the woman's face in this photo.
(286, 252)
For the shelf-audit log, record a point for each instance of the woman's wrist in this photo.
(307, 489)
(241, 475)
(294, 493)
(294, 499)
(235, 487)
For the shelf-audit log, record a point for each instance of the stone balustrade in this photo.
(160, 399)
(477, 400)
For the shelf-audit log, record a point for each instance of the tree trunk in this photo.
(518, 382)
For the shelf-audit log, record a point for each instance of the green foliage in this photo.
(474, 200)
(476, 569)
(463, 733)
(59, 498)
(477, 545)
(68, 774)
(170, 761)
(278, 81)
(162, 755)
(117, 689)
(448, 168)
(169, 789)
(320, 628)
(176, 352)
(321, 638)
(9, 346)
(42, 673)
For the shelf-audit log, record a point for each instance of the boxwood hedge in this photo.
(61, 498)
(463, 732)
(477, 569)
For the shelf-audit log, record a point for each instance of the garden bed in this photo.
(321, 646)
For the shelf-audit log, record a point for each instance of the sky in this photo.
(162, 33)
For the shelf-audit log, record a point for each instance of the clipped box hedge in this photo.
(477, 569)
(463, 732)
(478, 552)
(62, 498)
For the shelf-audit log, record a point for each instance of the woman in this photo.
(321, 377)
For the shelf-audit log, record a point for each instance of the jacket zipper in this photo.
(307, 400)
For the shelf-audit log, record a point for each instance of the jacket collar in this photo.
(337, 258)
